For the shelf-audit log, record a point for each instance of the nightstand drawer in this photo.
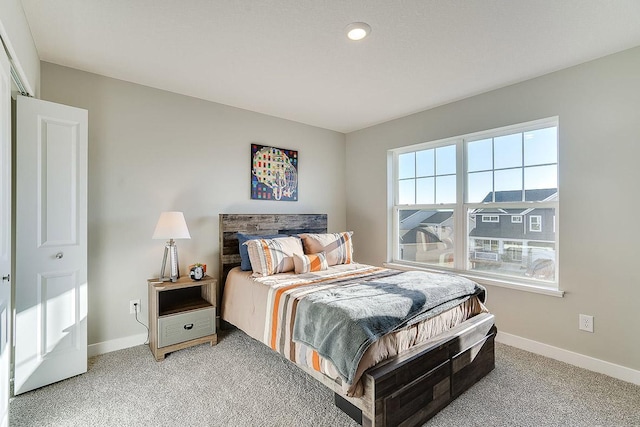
(182, 327)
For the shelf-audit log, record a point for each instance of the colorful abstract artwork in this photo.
(274, 173)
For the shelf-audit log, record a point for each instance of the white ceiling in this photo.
(291, 58)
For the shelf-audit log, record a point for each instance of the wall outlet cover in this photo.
(586, 323)
(132, 308)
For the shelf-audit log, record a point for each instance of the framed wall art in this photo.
(274, 173)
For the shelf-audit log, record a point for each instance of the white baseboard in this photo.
(117, 344)
(570, 357)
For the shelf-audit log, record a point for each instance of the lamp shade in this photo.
(171, 225)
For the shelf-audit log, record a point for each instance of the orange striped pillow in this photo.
(337, 247)
(309, 263)
(272, 256)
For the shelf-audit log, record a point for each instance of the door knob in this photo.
(7, 277)
(59, 255)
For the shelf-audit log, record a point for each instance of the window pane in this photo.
(479, 155)
(508, 180)
(426, 236)
(541, 260)
(479, 187)
(446, 189)
(406, 165)
(541, 146)
(424, 163)
(407, 192)
(509, 249)
(508, 151)
(540, 177)
(425, 193)
(446, 160)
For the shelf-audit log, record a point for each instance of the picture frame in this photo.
(274, 173)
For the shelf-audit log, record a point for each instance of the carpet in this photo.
(240, 382)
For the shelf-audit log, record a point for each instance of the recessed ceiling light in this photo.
(358, 30)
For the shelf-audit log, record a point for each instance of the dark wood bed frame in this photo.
(405, 390)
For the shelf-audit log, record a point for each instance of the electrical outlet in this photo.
(586, 323)
(132, 308)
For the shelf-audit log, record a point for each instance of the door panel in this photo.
(51, 243)
(57, 299)
(57, 187)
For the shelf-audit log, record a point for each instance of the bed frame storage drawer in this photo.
(420, 399)
(182, 327)
(470, 365)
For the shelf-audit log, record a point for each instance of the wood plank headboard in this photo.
(260, 224)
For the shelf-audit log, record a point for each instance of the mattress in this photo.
(248, 303)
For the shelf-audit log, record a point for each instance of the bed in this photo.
(397, 381)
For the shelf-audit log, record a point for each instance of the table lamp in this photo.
(171, 225)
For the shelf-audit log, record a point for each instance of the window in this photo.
(512, 251)
(484, 250)
(535, 223)
(449, 195)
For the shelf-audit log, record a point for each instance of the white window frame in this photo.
(516, 219)
(490, 218)
(537, 223)
(461, 207)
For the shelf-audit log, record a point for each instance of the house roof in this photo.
(415, 217)
(410, 218)
(411, 236)
(438, 217)
(516, 195)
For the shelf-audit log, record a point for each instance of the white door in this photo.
(51, 243)
(5, 235)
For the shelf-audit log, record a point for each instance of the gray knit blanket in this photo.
(340, 323)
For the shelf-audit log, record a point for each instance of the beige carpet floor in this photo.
(241, 382)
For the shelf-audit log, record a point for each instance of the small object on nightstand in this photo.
(197, 272)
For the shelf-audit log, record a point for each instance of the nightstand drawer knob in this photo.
(188, 326)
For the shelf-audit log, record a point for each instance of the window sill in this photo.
(484, 281)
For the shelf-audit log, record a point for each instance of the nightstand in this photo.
(181, 314)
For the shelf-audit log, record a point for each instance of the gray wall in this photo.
(598, 104)
(153, 151)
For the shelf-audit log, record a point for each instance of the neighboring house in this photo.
(516, 240)
(426, 236)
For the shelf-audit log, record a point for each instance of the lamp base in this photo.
(174, 271)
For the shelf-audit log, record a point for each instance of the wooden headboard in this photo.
(260, 224)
